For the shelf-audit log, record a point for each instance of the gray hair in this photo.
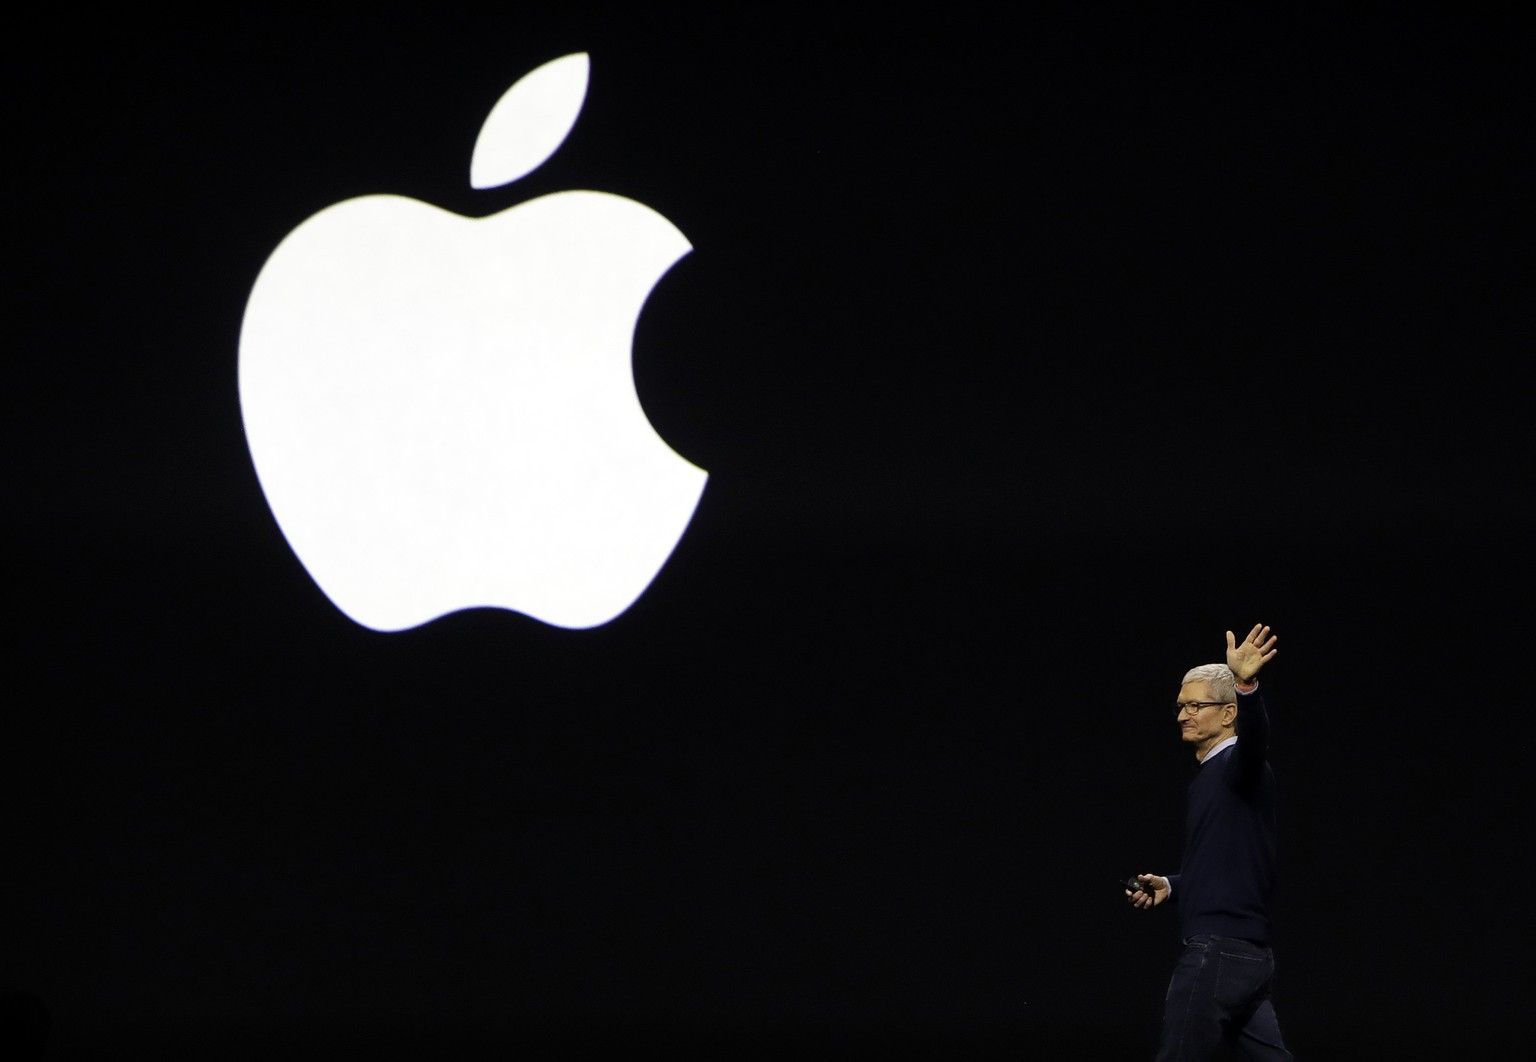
(1218, 677)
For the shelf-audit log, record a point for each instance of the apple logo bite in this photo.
(441, 410)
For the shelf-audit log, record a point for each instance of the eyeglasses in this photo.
(1195, 706)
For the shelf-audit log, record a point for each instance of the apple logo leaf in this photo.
(530, 122)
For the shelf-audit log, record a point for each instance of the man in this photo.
(1220, 989)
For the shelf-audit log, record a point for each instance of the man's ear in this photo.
(1228, 713)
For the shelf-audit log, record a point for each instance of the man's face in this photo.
(1200, 721)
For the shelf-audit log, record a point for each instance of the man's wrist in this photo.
(1249, 686)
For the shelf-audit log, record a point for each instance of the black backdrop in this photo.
(1026, 356)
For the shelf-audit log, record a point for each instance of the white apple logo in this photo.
(441, 410)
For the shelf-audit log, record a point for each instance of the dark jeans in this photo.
(1219, 993)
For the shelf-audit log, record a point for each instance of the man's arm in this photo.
(1245, 658)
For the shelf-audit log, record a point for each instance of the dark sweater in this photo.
(1228, 871)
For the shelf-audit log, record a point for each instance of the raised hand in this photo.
(1253, 652)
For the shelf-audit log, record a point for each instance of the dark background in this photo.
(1026, 355)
